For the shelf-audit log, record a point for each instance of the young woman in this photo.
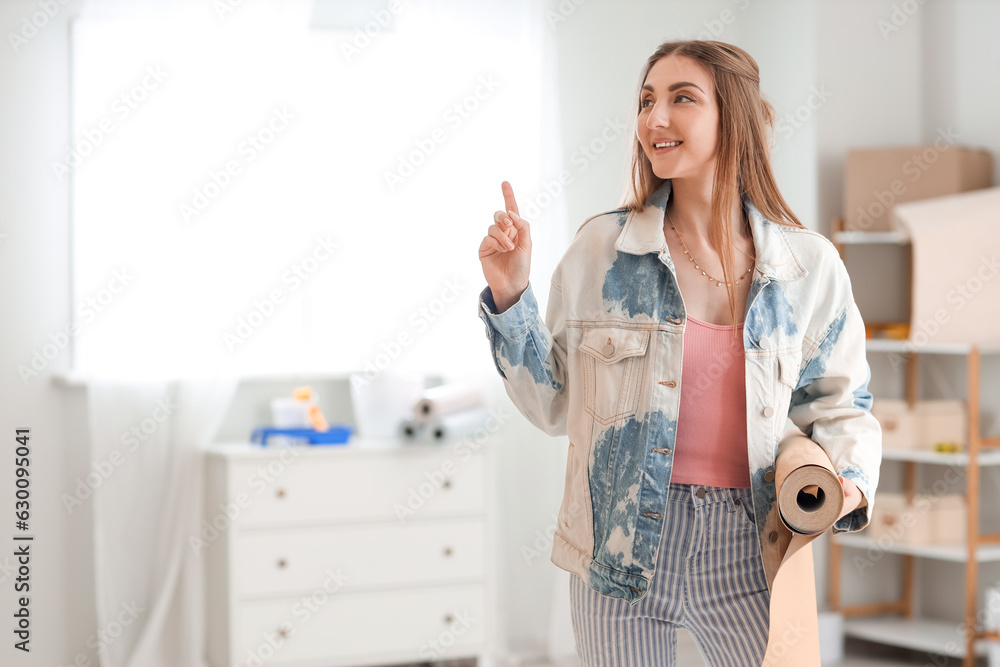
(703, 280)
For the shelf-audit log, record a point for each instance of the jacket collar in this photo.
(643, 233)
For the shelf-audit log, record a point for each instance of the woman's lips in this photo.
(666, 149)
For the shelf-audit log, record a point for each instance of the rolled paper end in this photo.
(810, 493)
(410, 429)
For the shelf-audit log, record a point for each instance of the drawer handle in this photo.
(282, 562)
(446, 483)
(448, 619)
(447, 551)
(280, 493)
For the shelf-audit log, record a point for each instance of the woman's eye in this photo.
(687, 97)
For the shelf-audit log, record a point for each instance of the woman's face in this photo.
(678, 104)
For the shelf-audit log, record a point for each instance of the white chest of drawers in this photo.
(371, 553)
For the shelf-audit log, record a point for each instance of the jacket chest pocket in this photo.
(614, 366)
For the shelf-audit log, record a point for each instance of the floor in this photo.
(860, 654)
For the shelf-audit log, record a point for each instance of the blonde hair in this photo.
(745, 139)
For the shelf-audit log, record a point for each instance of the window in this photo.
(255, 192)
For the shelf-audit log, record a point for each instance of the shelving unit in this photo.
(896, 623)
(844, 237)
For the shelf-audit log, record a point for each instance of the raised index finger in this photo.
(508, 198)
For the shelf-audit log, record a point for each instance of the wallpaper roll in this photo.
(413, 431)
(446, 399)
(810, 497)
(458, 424)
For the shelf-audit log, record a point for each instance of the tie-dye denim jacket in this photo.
(604, 368)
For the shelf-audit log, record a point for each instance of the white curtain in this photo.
(146, 439)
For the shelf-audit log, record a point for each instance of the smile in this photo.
(666, 147)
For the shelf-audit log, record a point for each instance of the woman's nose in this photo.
(658, 116)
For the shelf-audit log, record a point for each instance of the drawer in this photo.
(296, 560)
(426, 623)
(396, 487)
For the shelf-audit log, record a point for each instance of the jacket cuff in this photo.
(859, 517)
(513, 322)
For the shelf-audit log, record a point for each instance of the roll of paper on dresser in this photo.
(447, 399)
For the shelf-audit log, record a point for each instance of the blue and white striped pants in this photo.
(708, 579)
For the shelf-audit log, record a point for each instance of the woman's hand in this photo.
(506, 253)
(852, 497)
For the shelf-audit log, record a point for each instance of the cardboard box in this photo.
(877, 178)
(926, 424)
(897, 422)
(950, 519)
(895, 521)
(928, 520)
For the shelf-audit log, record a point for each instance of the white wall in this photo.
(34, 273)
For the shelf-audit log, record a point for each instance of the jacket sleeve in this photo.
(832, 405)
(530, 356)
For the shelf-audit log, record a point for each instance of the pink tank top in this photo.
(711, 446)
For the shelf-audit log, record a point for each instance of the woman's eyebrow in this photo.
(675, 86)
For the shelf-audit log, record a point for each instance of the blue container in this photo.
(337, 434)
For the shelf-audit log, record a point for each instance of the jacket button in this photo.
(700, 492)
(762, 343)
(769, 476)
(671, 384)
(773, 536)
(768, 411)
(609, 349)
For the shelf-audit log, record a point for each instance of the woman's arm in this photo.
(530, 355)
(832, 405)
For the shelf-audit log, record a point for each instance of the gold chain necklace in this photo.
(718, 283)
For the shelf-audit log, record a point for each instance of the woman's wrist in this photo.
(505, 300)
